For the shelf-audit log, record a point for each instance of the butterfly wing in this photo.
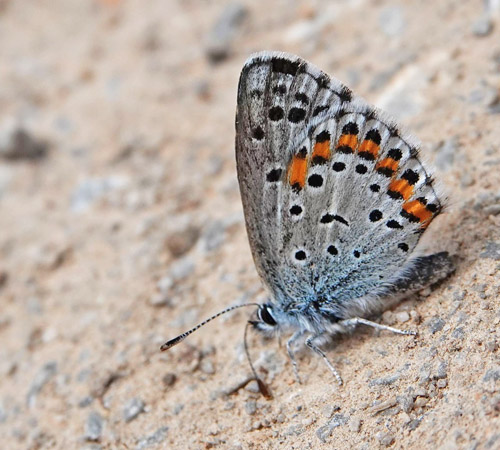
(335, 197)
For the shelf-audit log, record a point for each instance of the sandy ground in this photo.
(121, 226)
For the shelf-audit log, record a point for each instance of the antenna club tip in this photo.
(171, 343)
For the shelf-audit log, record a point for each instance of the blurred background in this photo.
(121, 225)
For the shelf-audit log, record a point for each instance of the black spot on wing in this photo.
(283, 65)
(296, 115)
(276, 113)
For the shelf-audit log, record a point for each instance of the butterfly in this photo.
(335, 198)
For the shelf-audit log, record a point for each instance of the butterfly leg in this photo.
(309, 342)
(349, 323)
(291, 354)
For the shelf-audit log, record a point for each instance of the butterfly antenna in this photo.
(181, 337)
(264, 390)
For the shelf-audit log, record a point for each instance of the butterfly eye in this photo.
(266, 316)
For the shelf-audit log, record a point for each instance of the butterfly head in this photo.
(267, 319)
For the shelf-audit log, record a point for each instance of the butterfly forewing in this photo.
(335, 197)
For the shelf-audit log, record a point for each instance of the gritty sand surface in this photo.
(121, 225)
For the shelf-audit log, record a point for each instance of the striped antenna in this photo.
(181, 337)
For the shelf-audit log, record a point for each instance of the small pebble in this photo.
(402, 317)
(93, 427)
(41, 379)
(160, 299)
(307, 422)
(491, 251)
(420, 402)
(441, 384)
(251, 407)
(207, 366)
(152, 440)
(132, 409)
(405, 402)
(385, 438)
(16, 142)
(355, 424)
(436, 324)
(169, 379)
(223, 33)
(482, 26)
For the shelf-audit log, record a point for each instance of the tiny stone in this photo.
(224, 32)
(169, 379)
(182, 268)
(392, 20)
(436, 324)
(385, 381)
(482, 27)
(441, 384)
(324, 432)
(307, 422)
(388, 317)
(447, 152)
(413, 425)
(41, 379)
(207, 366)
(178, 408)
(159, 299)
(85, 401)
(251, 407)
(328, 411)
(385, 438)
(405, 402)
(492, 251)
(93, 427)
(252, 386)
(458, 295)
(213, 236)
(152, 440)
(421, 392)
(458, 333)
(132, 409)
(355, 424)
(420, 402)
(180, 242)
(442, 371)
(492, 346)
(415, 315)
(492, 374)
(492, 210)
(164, 284)
(281, 418)
(18, 143)
(402, 317)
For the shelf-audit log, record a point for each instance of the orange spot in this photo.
(321, 150)
(388, 163)
(298, 171)
(349, 140)
(403, 187)
(417, 208)
(370, 147)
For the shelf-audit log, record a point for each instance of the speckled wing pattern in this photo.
(335, 196)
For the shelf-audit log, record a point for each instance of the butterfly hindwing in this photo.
(335, 198)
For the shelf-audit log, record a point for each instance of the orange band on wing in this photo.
(321, 150)
(417, 209)
(369, 147)
(348, 140)
(387, 163)
(298, 171)
(401, 187)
